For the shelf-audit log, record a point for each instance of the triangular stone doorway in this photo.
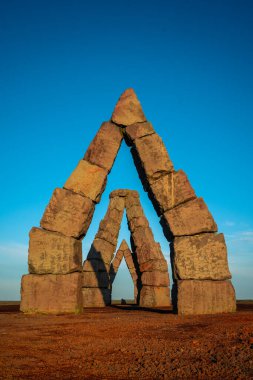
(199, 258)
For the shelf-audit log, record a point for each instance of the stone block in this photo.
(68, 213)
(138, 130)
(190, 218)
(205, 297)
(88, 180)
(153, 156)
(155, 278)
(51, 294)
(154, 296)
(105, 146)
(128, 109)
(109, 230)
(95, 266)
(154, 265)
(95, 280)
(171, 190)
(140, 221)
(148, 251)
(124, 193)
(96, 297)
(201, 257)
(134, 212)
(143, 236)
(101, 250)
(51, 252)
(116, 203)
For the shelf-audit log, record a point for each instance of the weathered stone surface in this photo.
(154, 296)
(128, 109)
(88, 180)
(51, 293)
(68, 213)
(129, 260)
(105, 146)
(124, 193)
(138, 222)
(154, 265)
(109, 229)
(155, 278)
(123, 246)
(205, 297)
(138, 130)
(50, 252)
(116, 203)
(170, 190)
(116, 262)
(101, 249)
(143, 236)
(95, 266)
(149, 251)
(201, 257)
(153, 156)
(95, 280)
(96, 297)
(134, 212)
(190, 218)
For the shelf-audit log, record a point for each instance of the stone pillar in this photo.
(153, 286)
(96, 287)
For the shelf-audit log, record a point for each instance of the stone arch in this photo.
(150, 266)
(124, 251)
(186, 220)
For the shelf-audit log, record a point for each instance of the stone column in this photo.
(96, 286)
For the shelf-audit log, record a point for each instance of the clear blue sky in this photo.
(63, 66)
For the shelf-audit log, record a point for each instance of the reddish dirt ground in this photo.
(122, 342)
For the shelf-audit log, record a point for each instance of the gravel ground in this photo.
(123, 342)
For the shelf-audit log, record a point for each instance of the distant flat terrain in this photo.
(126, 342)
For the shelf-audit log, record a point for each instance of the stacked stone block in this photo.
(54, 282)
(153, 286)
(96, 278)
(199, 257)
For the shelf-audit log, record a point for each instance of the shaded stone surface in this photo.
(138, 130)
(101, 249)
(153, 156)
(68, 213)
(95, 266)
(190, 218)
(51, 293)
(95, 279)
(154, 296)
(128, 109)
(205, 297)
(155, 278)
(105, 146)
(170, 190)
(51, 252)
(88, 180)
(201, 257)
(96, 297)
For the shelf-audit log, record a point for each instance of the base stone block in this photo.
(154, 296)
(155, 278)
(96, 297)
(95, 279)
(51, 294)
(205, 297)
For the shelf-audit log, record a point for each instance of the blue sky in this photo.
(63, 66)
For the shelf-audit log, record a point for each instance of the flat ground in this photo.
(122, 342)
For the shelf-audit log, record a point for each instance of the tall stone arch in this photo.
(186, 220)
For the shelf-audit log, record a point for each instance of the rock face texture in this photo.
(68, 213)
(205, 297)
(199, 257)
(51, 293)
(53, 253)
